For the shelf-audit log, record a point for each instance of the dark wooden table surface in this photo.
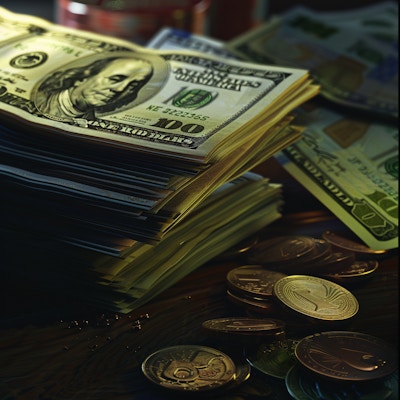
(54, 348)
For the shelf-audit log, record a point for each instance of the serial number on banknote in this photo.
(178, 113)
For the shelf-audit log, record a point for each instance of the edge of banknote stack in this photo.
(121, 196)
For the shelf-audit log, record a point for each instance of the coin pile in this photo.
(302, 298)
(325, 365)
(291, 279)
(332, 256)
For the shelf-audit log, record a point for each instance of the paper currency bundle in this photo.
(105, 144)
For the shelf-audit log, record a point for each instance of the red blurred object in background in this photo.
(134, 20)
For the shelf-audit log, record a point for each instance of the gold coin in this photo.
(257, 305)
(316, 297)
(189, 368)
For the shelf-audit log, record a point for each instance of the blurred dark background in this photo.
(47, 8)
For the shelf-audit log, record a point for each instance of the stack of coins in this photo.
(331, 257)
(292, 286)
(343, 365)
(251, 287)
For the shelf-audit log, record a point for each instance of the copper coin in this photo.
(189, 368)
(347, 244)
(344, 355)
(316, 297)
(281, 250)
(243, 325)
(253, 280)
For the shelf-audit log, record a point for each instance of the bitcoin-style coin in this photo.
(273, 359)
(243, 326)
(304, 386)
(253, 280)
(346, 355)
(316, 297)
(189, 368)
(282, 250)
(348, 244)
(358, 270)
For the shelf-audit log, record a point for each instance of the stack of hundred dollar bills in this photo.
(123, 168)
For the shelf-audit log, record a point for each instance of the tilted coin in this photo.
(304, 386)
(256, 305)
(281, 250)
(346, 355)
(316, 297)
(189, 368)
(243, 326)
(358, 270)
(347, 244)
(274, 359)
(253, 280)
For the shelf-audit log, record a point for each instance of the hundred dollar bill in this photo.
(176, 39)
(352, 167)
(175, 103)
(353, 65)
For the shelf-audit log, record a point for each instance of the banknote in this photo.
(352, 167)
(354, 66)
(176, 39)
(182, 104)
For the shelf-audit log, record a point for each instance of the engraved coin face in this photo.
(344, 355)
(253, 280)
(347, 244)
(316, 297)
(243, 325)
(189, 368)
(281, 250)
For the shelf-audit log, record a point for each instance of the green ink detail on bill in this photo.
(193, 98)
